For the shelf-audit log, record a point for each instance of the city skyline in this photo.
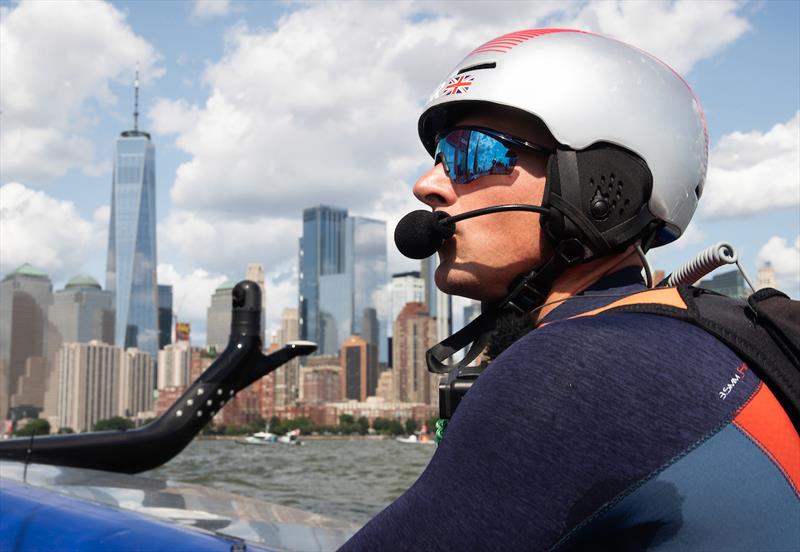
(241, 153)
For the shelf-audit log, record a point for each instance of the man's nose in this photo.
(434, 188)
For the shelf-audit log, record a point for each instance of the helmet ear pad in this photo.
(599, 197)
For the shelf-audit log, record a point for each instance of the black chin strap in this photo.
(529, 293)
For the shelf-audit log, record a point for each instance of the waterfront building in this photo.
(174, 362)
(287, 377)
(320, 384)
(766, 277)
(414, 333)
(200, 360)
(359, 364)
(164, 315)
(385, 387)
(136, 385)
(342, 268)
(730, 283)
(407, 287)
(218, 316)
(372, 408)
(25, 296)
(438, 303)
(131, 261)
(321, 379)
(88, 384)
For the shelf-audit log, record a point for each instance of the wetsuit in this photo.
(617, 431)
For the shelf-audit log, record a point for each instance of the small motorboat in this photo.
(267, 438)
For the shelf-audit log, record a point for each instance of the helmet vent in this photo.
(478, 67)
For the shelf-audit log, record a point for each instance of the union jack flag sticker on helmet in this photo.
(458, 85)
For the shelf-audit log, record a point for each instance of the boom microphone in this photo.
(421, 233)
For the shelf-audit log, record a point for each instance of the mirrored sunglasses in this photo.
(467, 153)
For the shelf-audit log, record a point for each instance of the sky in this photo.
(260, 109)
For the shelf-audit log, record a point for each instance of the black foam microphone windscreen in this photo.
(421, 233)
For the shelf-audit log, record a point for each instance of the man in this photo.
(594, 431)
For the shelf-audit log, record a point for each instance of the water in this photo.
(343, 479)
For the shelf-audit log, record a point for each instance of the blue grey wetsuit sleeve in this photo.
(562, 423)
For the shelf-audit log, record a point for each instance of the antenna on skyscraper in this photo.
(136, 100)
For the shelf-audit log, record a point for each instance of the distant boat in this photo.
(420, 438)
(267, 438)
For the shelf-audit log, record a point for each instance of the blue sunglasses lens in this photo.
(467, 154)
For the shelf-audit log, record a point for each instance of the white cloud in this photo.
(58, 60)
(679, 33)
(46, 232)
(785, 260)
(228, 244)
(191, 293)
(211, 8)
(291, 122)
(752, 172)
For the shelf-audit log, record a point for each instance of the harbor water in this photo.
(350, 480)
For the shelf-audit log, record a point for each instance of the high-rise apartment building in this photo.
(131, 261)
(407, 287)
(174, 365)
(439, 304)
(342, 274)
(25, 296)
(414, 334)
(88, 388)
(359, 369)
(164, 315)
(136, 384)
(218, 316)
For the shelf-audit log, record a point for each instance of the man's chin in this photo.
(456, 282)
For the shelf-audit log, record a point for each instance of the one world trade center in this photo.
(131, 263)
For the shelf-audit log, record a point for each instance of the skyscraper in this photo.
(25, 295)
(80, 312)
(164, 316)
(407, 287)
(366, 266)
(131, 262)
(414, 334)
(321, 254)
(88, 384)
(342, 275)
(218, 316)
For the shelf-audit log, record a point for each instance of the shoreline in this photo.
(305, 437)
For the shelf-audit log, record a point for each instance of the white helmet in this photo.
(591, 90)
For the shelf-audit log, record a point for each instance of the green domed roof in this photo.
(82, 280)
(27, 270)
(230, 284)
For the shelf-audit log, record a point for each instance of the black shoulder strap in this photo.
(763, 331)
